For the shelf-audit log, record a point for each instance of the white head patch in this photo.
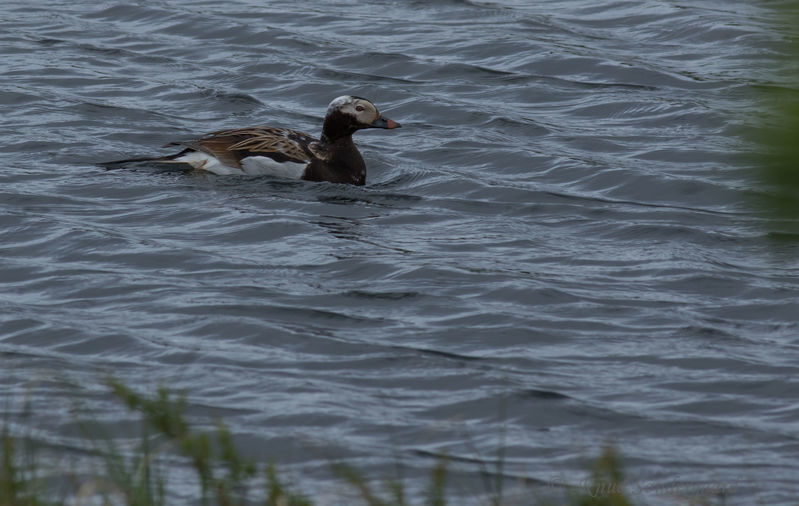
(339, 102)
(361, 109)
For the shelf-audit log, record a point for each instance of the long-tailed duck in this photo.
(283, 152)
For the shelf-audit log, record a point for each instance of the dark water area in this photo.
(559, 249)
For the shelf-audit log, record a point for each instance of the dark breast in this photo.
(343, 164)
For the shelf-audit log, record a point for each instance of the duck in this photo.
(266, 150)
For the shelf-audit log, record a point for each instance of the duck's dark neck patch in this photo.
(337, 125)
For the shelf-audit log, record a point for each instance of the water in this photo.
(558, 249)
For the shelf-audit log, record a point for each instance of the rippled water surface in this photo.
(558, 249)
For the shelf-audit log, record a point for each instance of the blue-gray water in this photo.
(560, 247)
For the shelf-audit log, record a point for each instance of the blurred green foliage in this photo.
(777, 133)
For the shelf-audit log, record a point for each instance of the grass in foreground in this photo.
(224, 477)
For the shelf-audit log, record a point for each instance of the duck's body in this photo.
(286, 153)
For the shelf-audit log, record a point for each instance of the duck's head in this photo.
(348, 114)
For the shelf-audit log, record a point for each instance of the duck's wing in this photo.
(230, 147)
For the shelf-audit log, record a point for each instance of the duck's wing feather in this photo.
(232, 146)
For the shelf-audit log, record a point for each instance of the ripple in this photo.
(561, 228)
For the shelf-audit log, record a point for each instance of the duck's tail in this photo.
(169, 159)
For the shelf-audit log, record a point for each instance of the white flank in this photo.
(252, 165)
(263, 165)
(204, 161)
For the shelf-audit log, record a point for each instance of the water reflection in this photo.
(352, 229)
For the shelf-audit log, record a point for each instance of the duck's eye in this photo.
(359, 108)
